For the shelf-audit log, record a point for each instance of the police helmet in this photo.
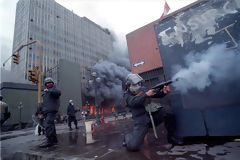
(133, 79)
(48, 80)
(70, 101)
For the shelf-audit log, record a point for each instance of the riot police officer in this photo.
(50, 106)
(71, 111)
(137, 99)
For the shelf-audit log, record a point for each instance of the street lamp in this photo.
(20, 107)
(94, 81)
(17, 51)
(24, 45)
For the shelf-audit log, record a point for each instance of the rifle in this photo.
(152, 107)
(160, 86)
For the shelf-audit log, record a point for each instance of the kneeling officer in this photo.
(137, 99)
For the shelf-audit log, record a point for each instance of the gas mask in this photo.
(133, 81)
(135, 88)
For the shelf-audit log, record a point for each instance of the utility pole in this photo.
(34, 75)
(40, 75)
(94, 81)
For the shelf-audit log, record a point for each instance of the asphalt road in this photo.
(106, 144)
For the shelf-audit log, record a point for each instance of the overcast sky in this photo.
(120, 16)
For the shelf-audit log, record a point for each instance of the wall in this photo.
(13, 94)
(143, 49)
(214, 110)
(70, 84)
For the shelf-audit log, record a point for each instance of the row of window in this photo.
(64, 35)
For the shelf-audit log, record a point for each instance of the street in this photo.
(107, 145)
(65, 62)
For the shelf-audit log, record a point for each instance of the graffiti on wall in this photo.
(198, 26)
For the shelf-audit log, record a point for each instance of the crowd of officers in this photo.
(138, 99)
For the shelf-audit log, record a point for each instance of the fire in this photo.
(113, 109)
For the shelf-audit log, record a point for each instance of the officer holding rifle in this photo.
(145, 113)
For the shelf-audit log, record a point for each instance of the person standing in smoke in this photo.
(50, 106)
(71, 115)
(137, 98)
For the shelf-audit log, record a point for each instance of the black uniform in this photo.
(71, 116)
(50, 106)
(142, 121)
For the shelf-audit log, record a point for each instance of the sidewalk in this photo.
(107, 145)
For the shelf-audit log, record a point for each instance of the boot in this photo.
(124, 144)
(175, 140)
(70, 128)
(54, 140)
(46, 144)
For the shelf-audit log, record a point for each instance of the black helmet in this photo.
(133, 79)
(48, 80)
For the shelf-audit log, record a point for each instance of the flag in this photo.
(165, 10)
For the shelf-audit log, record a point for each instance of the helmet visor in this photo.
(134, 78)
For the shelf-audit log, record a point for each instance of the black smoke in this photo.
(112, 77)
(112, 73)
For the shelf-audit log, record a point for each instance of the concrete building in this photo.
(63, 35)
(15, 94)
(26, 94)
(144, 54)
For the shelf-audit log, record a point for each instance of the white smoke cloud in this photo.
(216, 65)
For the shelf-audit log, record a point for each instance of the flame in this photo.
(104, 110)
(113, 109)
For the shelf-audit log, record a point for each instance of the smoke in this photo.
(112, 76)
(120, 53)
(120, 60)
(112, 73)
(217, 65)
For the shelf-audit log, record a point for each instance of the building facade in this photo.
(144, 54)
(21, 107)
(62, 34)
(15, 94)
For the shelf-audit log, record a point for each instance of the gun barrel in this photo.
(161, 85)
